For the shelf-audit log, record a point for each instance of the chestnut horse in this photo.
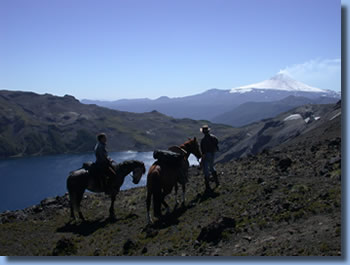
(162, 178)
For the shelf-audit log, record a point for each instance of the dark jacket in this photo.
(209, 144)
(101, 153)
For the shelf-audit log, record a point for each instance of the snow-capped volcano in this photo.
(218, 104)
(279, 82)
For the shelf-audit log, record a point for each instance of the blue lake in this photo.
(27, 181)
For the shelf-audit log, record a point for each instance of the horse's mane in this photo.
(129, 164)
(188, 142)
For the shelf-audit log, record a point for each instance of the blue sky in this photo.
(113, 49)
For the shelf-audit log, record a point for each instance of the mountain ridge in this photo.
(250, 112)
(215, 102)
(32, 124)
(272, 132)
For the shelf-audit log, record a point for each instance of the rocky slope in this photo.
(282, 202)
(250, 112)
(32, 124)
(282, 129)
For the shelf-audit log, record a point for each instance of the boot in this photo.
(216, 179)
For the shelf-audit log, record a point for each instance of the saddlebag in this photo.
(168, 157)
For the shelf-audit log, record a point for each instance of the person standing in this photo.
(209, 146)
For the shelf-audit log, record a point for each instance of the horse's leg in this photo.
(183, 194)
(164, 203)
(72, 203)
(176, 200)
(148, 206)
(79, 197)
(111, 208)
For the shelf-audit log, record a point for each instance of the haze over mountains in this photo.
(219, 105)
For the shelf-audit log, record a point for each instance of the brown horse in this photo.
(82, 179)
(162, 178)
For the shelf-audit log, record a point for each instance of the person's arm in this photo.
(202, 159)
(203, 150)
(217, 143)
(106, 157)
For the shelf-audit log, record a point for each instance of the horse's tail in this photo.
(154, 187)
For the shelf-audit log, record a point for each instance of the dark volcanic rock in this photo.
(284, 164)
(213, 232)
(9, 217)
(128, 245)
(64, 247)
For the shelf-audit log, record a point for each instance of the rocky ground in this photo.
(281, 202)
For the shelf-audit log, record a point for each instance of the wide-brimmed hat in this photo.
(205, 128)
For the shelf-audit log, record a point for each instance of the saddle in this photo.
(92, 168)
(183, 179)
(89, 166)
(168, 157)
(99, 176)
(178, 150)
(174, 158)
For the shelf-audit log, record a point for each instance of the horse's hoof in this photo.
(158, 216)
(81, 217)
(112, 218)
(149, 220)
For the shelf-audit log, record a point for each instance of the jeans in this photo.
(208, 164)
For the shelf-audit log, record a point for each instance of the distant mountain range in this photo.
(32, 124)
(216, 104)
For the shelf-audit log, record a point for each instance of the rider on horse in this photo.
(103, 162)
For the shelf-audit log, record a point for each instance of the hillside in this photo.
(284, 202)
(250, 112)
(272, 132)
(32, 124)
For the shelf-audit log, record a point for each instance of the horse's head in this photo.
(138, 171)
(192, 146)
